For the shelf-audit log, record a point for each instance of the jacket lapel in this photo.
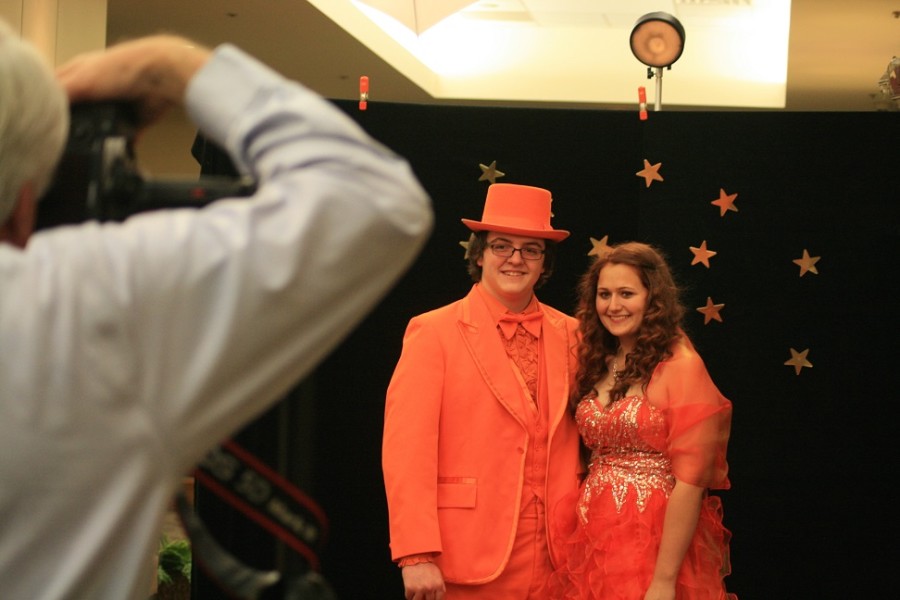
(479, 333)
(558, 361)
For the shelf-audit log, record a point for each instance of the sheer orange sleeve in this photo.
(698, 417)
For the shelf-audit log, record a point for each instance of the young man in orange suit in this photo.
(478, 444)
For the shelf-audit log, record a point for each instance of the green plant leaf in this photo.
(174, 559)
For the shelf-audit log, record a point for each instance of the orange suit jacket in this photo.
(455, 437)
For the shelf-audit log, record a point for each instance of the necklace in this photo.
(616, 373)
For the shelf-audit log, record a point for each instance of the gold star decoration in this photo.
(798, 360)
(711, 311)
(600, 246)
(807, 263)
(725, 202)
(465, 244)
(701, 254)
(650, 173)
(490, 172)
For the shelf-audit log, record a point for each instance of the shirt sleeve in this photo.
(698, 418)
(208, 316)
(415, 559)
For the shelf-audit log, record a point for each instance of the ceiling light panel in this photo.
(577, 51)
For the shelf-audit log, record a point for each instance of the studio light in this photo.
(657, 40)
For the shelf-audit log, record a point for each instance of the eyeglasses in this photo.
(507, 250)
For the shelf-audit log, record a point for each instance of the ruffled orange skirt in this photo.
(613, 555)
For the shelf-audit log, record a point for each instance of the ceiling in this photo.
(837, 51)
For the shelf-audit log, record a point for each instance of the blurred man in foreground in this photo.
(130, 349)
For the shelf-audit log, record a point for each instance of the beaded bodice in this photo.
(627, 441)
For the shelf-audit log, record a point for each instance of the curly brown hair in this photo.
(660, 327)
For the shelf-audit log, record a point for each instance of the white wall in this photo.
(61, 29)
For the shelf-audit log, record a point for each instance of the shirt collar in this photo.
(497, 310)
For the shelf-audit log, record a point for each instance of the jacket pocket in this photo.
(456, 492)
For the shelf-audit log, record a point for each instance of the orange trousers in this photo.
(529, 564)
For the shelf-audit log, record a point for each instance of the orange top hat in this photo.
(519, 210)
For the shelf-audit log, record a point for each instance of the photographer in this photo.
(129, 349)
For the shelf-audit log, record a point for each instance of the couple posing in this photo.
(531, 455)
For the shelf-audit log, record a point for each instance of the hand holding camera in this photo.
(152, 73)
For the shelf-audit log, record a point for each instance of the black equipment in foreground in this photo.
(266, 498)
(98, 178)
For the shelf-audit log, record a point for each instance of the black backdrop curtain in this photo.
(811, 454)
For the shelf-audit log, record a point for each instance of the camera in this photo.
(98, 177)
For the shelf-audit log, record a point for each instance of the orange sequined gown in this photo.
(612, 529)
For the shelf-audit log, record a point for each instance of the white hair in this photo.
(34, 119)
